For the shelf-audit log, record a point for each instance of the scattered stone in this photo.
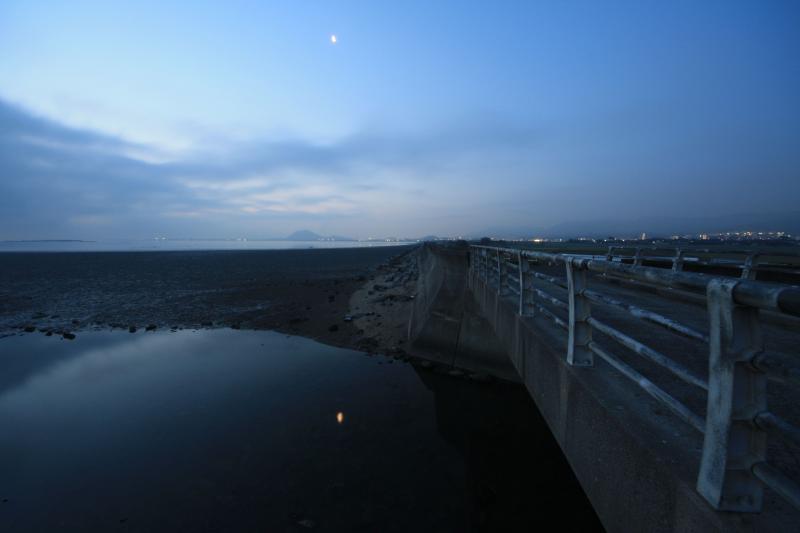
(75, 322)
(348, 318)
(310, 524)
(206, 324)
(150, 327)
(333, 327)
(29, 329)
(426, 364)
(132, 329)
(69, 336)
(37, 316)
(236, 326)
(455, 373)
(48, 334)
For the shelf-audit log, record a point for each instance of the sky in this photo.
(242, 119)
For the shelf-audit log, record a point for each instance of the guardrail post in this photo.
(737, 392)
(677, 262)
(637, 257)
(499, 275)
(580, 332)
(523, 270)
(750, 266)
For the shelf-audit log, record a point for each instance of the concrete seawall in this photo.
(444, 325)
(636, 463)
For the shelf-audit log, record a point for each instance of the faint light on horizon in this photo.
(340, 417)
(333, 39)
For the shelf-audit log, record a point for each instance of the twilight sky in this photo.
(229, 119)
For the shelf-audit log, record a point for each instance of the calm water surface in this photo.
(224, 430)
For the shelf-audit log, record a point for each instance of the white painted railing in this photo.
(733, 467)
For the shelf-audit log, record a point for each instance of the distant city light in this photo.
(340, 417)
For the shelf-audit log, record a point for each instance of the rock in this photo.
(69, 336)
(49, 334)
(348, 318)
(29, 329)
(132, 329)
(426, 364)
(75, 322)
(480, 377)
(37, 316)
(205, 324)
(307, 523)
(236, 326)
(333, 327)
(150, 327)
(455, 373)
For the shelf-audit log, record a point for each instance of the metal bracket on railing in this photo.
(749, 270)
(737, 393)
(580, 332)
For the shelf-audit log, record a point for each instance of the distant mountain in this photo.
(788, 221)
(306, 235)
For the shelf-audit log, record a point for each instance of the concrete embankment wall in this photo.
(636, 462)
(444, 325)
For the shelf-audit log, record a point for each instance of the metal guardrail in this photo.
(733, 467)
(749, 262)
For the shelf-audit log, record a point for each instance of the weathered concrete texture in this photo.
(444, 325)
(636, 462)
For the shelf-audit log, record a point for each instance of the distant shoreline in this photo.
(185, 245)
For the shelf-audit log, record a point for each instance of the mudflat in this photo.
(305, 292)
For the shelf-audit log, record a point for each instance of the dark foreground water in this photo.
(224, 430)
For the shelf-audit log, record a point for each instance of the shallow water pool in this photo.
(224, 430)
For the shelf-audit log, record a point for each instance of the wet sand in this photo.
(303, 292)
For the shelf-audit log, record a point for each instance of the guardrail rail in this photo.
(733, 467)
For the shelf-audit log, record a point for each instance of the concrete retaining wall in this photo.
(444, 325)
(636, 463)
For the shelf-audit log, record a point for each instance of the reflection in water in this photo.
(231, 430)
